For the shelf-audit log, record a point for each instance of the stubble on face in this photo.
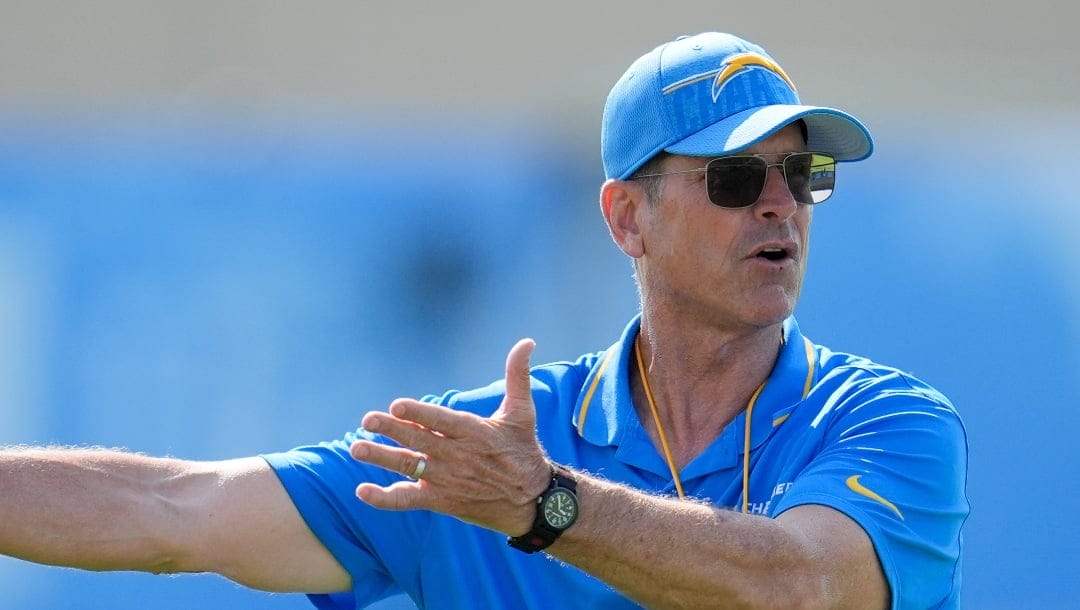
(741, 267)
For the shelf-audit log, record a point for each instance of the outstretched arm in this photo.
(112, 510)
(659, 551)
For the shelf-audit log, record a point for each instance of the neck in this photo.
(700, 380)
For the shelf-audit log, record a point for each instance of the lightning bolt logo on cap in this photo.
(733, 66)
(736, 64)
(709, 95)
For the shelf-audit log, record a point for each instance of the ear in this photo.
(621, 201)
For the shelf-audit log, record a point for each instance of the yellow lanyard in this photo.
(663, 437)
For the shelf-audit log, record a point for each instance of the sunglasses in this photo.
(738, 181)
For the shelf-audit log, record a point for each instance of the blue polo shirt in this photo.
(828, 428)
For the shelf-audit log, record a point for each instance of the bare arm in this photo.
(668, 553)
(111, 510)
(659, 551)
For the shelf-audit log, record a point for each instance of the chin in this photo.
(773, 311)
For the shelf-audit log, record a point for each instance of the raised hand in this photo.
(488, 471)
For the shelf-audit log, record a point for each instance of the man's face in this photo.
(731, 267)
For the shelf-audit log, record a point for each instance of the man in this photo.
(711, 457)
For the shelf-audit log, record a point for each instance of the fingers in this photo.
(402, 495)
(396, 459)
(418, 424)
(412, 422)
(517, 407)
(474, 467)
(517, 370)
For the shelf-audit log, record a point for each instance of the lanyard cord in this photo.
(656, 419)
(663, 437)
(746, 450)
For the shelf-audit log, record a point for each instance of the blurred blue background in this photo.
(227, 230)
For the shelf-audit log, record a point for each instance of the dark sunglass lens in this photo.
(797, 173)
(735, 182)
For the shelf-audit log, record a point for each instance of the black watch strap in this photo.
(563, 488)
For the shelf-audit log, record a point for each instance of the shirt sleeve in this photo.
(380, 549)
(894, 459)
(373, 546)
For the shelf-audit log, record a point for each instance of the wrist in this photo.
(554, 511)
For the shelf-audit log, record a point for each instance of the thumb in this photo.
(517, 374)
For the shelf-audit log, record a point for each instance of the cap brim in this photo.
(828, 130)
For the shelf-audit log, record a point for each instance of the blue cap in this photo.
(711, 95)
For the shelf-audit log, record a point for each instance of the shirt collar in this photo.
(605, 409)
(787, 385)
(604, 406)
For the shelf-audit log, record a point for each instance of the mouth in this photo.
(773, 254)
(776, 253)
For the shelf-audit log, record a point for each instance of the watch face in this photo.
(560, 509)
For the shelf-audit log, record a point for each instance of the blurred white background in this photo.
(233, 227)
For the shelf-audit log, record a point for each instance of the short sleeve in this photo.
(320, 480)
(894, 459)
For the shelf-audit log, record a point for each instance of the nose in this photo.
(776, 200)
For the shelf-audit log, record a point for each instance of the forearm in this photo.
(92, 509)
(667, 553)
(110, 510)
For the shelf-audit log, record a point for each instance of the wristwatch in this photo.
(556, 510)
